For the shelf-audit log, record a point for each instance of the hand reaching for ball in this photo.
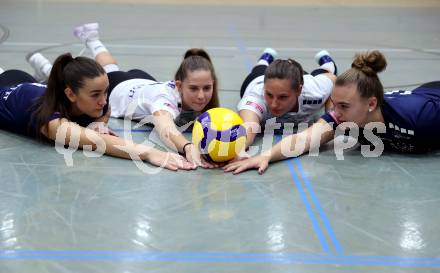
(194, 156)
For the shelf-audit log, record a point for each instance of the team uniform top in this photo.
(314, 94)
(412, 119)
(17, 106)
(139, 98)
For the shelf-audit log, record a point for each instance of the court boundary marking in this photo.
(214, 257)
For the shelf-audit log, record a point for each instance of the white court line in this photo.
(230, 48)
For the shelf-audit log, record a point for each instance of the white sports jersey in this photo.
(314, 94)
(138, 98)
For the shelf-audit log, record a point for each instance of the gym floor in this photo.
(310, 214)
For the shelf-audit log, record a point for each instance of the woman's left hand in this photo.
(261, 163)
(168, 160)
(193, 155)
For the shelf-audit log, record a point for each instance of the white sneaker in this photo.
(323, 57)
(269, 55)
(41, 66)
(319, 57)
(87, 32)
(1, 70)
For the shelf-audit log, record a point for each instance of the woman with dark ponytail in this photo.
(137, 95)
(280, 89)
(406, 121)
(75, 95)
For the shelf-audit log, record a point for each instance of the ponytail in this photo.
(197, 52)
(66, 72)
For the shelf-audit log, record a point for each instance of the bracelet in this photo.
(184, 146)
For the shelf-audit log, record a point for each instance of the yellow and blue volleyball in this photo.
(219, 134)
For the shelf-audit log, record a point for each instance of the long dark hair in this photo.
(198, 59)
(66, 72)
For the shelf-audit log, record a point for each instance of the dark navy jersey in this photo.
(412, 119)
(17, 104)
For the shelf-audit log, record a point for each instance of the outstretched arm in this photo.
(65, 132)
(291, 146)
(252, 125)
(164, 123)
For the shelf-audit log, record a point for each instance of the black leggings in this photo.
(116, 77)
(13, 77)
(256, 72)
(259, 70)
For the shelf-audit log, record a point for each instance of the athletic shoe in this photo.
(323, 57)
(87, 32)
(269, 55)
(41, 66)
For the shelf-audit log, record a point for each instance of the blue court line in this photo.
(306, 203)
(309, 209)
(271, 258)
(241, 47)
(28, 252)
(318, 206)
(316, 203)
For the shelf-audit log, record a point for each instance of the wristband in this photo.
(184, 146)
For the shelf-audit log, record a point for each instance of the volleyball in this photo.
(219, 134)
